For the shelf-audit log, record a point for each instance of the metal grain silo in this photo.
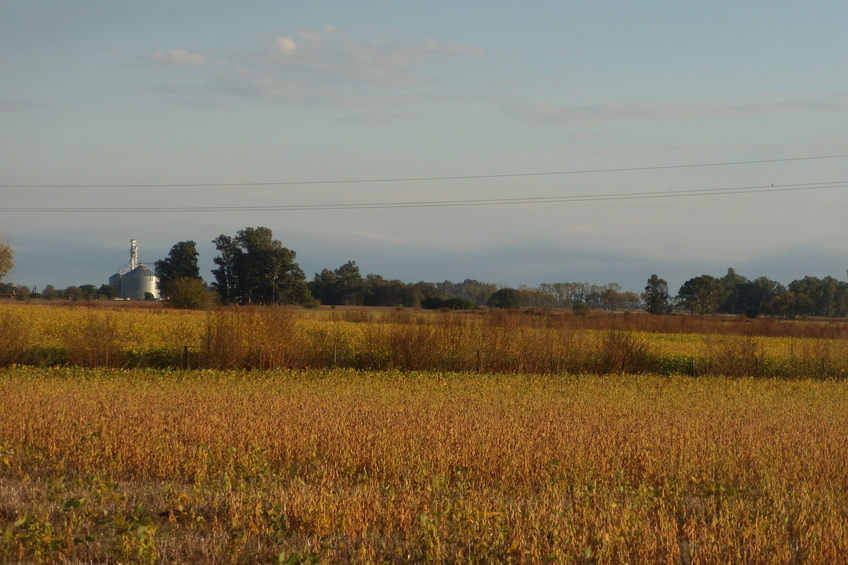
(134, 280)
(138, 282)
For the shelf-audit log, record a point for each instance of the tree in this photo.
(381, 292)
(323, 287)
(6, 259)
(656, 296)
(50, 293)
(344, 286)
(181, 263)
(629, 299)
(73, 292)
(757, 297)
(474, 291)
(819, 297)
(23, 293)
(505, 298)
(89, 291)
(108, 291)
(255, 268)
(188, 294)
(350, 284)
(703, 295)
(733, 283)
(226, 281)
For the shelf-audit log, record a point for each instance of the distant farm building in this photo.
(134, 281)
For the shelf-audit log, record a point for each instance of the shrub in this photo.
(94, 341)
(622, 352)
(14, 338)
(187, 294)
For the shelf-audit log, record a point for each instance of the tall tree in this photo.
(351, 285)
(656, 296)
(381, 292)
(344, 286)
(703, 295)
(505, 298)
(6, 259)
(226, 281)
(255, 268)
(818, 297)
(181, 263)
(324, 287)
(757, 296)
(472, 290)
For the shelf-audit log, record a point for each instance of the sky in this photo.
(512, 143)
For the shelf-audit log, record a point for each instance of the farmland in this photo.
(298, 436)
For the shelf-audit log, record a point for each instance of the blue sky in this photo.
(114, 104)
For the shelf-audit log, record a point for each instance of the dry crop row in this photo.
(341, 466)
(264, 338)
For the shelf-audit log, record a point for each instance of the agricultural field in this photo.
(284, 436)
(487, 342)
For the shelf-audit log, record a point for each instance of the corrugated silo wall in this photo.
(137, 282)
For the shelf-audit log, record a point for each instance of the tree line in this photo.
(735, 294)
(253, 268)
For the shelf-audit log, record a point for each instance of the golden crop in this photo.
(343, 466)
(268, 338)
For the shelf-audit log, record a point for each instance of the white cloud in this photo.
(285, 45)
(327, 67)
(179, 57)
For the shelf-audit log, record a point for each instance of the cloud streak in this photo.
(179, 58)
(552, 114)
(324, 67)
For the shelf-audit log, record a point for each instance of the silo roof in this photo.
(140, 271)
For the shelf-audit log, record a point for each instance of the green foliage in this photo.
(7, 259)
(703, 294)
(596, 297)
(656, 296)
(22, 293)
(472, 290)
(819, 297)
(89, 292)
(344, 286)
(108, 291)
(581, 309)
(254, 268)
(505, 298)
(381, 292)
(752, 298)
(187, 294)
(298, 558)
(73, 293)
(37, 538)
(181, 263)
(50, 293)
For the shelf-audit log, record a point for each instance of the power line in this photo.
(444, 178)
(447, 203)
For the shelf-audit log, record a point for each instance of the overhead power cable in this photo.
(448, 203)
(434, 178)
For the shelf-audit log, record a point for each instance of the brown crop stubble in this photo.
(424, 467)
